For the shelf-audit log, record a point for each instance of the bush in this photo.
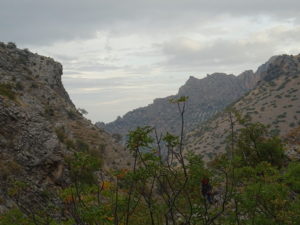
(254, 146)
(14, 216)
(82, 167)
(6, 90)
(49, 111)
(82, 146)
(11, 45)
(292, 177)
(71, 114)
(19, 86)
(60, 133)
(34, 85)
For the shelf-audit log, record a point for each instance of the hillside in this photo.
(40, 126)
(274, 102)
(57, 168)
(207, 96)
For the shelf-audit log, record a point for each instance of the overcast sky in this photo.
(120, 55)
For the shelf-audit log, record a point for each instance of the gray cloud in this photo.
(185, 53)
(39, 22)
(219, 52)
(118, 55)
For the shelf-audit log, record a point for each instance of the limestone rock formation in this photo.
(40, 126)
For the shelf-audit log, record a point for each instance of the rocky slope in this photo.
(40, 126)
(207, 96)
(274, 102)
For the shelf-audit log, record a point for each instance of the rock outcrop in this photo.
(40, 126)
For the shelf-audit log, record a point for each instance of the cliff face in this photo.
(207, 96)
(40, 126)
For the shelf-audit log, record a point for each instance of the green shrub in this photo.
(283, 115)
(82, 146)
(13, 217)
(7, 90)
(19, 86)
(49, 111)
(82, 167)
(292, 177)
(69, 143)
(254, 146)
(292, 124)
(11, 45)
(71, 114)
(34, 85)
(60, 133)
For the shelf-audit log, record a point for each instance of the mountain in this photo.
(273, 102)
(40, 127)
(207, 97)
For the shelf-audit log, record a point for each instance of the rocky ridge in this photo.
(207, 97)
(40, 126)
(273, 102)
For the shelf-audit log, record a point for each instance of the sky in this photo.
(120, 55)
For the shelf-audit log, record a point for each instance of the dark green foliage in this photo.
(11, 45)
(15, 217)
(34, 85)
(292, 177)
(7, 90)
(49, 111)
(254, 146)
(283, 115)
(72, 114)
(70, 144)
(82, 146)
(19, 86)
(82, 167)
(60, 133)
(139, 138)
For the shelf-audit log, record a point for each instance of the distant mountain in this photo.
(207, 97)
(275, 102)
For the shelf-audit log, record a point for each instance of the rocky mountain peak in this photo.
(207, 96)
(31, 68)
(283, 65)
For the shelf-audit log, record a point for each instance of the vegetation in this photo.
(7, 90)
(253, 183)
(82, 111)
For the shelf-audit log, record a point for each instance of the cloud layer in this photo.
(119, 55)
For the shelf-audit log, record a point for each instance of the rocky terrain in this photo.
(275, 102)
(207, 97)
(40, 126)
